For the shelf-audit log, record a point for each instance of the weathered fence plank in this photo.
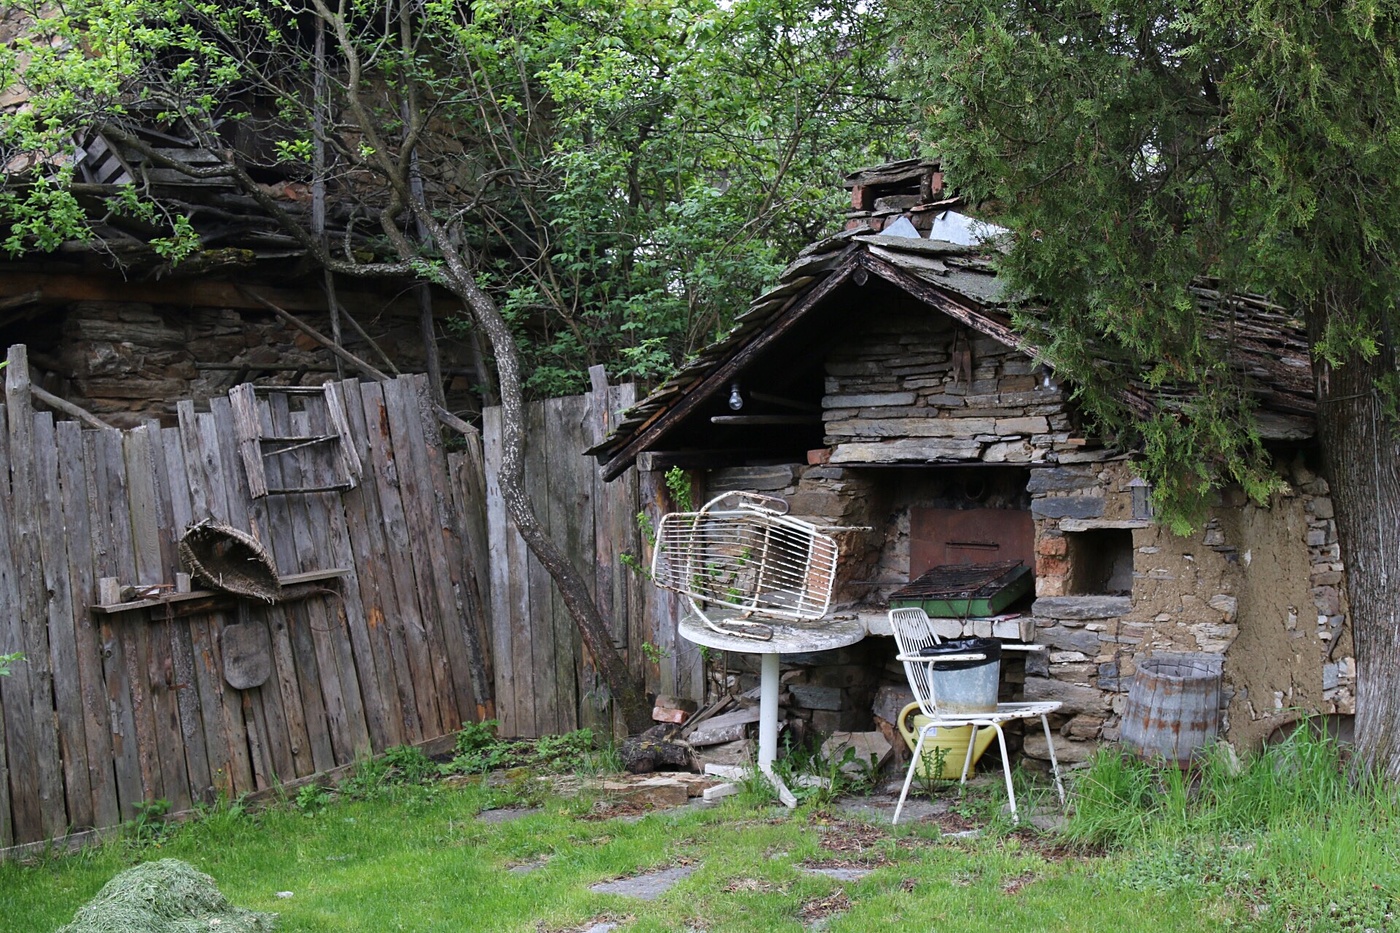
(181, 679)
(33, 597)
(376, 587)
(159, 670)
(404, 421)
(263, 702)
(514, 699)
(282, 544)
(409, 624)
(63, 642)
(445, 568)
(77, 525)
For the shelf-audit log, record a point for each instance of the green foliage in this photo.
(480, 750)
(148, 825)
(1149, 154)
(681, 489)
(7, 659)
(312, 799)
(625, 175)
(654, 654)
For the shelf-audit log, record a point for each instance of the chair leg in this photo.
(1006, 771)
(1054, 764)
(967, 760)
(909, 778)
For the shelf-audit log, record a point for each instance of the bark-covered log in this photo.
(655, 750)
(1361, 454)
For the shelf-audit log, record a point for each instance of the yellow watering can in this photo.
(952, 739)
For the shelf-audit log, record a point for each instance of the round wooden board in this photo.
(247, 654)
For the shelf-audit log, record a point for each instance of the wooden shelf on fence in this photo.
(291, 579)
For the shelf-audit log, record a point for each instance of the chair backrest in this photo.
(913, 632)
(748, 556)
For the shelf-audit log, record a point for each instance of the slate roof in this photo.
(1269, 345)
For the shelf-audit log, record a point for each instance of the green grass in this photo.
(1289, 843)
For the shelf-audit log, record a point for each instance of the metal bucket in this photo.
(966, 686)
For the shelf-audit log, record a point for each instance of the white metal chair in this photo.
(912, 633)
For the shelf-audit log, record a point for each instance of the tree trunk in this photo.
(1361, 453)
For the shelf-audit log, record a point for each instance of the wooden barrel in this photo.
(1173, 709)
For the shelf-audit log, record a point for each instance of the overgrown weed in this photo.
(1295, 831)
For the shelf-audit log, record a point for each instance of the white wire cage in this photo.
(745, 560)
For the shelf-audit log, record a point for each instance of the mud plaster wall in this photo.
(1258, 587)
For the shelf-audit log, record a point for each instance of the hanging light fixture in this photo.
(736, 401)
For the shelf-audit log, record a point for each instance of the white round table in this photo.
(788, 638)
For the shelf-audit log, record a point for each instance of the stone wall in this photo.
(128, 362)
(1258, 587)
(913, 386)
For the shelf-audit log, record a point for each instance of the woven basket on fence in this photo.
(230, 560)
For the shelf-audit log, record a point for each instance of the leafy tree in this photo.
(653, 164)
(1140, 147)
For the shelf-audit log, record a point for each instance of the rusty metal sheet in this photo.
(968, 536)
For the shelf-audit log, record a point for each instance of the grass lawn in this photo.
(417, 857)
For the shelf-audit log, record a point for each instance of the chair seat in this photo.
(1005, 712)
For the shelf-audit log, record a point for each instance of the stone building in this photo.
(881, 385)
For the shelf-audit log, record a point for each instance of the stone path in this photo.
(508, 814)
(646, 887)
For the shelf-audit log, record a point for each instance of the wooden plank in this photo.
(291, 750)
(539, 620)
(376, 586)
(63, 642)
(125, 753)
(346, 610)
(323, 510)
(339, 679)
(264, 702)
(570, 510)
(169, 597)
(281, 542)
(19, 819)
(606, 570)
(351, 467)
(206, 678)
(241, 761)
(193, 745)
(247, 431)
(111, 446)
(409, 623)
(467, 483)
(32, 597)
(139, 451)
(77, 522)
(456, 621)
(406, 426)
(512, 696)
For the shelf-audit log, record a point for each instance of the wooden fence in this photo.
(114, 706)
(545, 682)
